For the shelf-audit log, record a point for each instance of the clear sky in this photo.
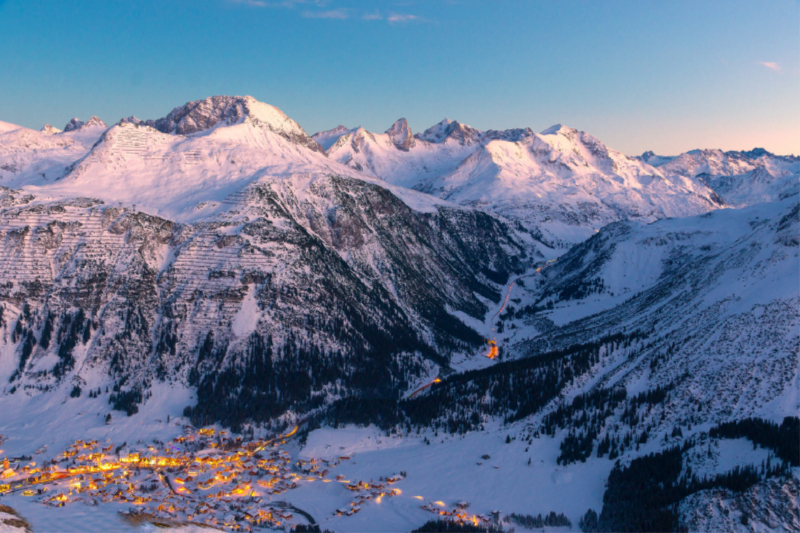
(641, 75)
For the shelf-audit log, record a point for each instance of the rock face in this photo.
(465, 135)
(401, 135)
(325, 280)
(450, 129)
(76, 124)
(202, 115)
(771, 505)
(73, 124)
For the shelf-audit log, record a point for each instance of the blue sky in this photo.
(667, 76)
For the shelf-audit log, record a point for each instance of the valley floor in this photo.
(448, 470)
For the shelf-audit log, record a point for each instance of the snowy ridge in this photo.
(562, 184)
(183, 178)
(740, 178)
(31, 157)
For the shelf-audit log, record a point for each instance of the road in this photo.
(437, 380)
(493, 350)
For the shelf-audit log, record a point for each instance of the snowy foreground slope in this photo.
(219, 266)
(713, 300)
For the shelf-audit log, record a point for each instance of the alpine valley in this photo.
(215, 319)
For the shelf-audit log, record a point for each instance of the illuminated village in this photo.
(204, 477)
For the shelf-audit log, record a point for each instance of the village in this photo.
(204, 477)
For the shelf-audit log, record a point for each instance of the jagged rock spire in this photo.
(401, 135)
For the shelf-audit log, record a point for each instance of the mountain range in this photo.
(282, 276)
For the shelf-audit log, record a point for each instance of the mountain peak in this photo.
(73, 124)
(328, 138)
(401, 135)
(76, 124)
(559, 128)
(95, 122)
(50, 130)
(450, 129)
(201, 115)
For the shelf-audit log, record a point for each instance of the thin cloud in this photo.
(289, 4)
(772, 66)
(330, 14)
(251, 3)
(399, 19)
(315, 10)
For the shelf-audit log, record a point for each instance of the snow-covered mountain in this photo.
(208, 229)
(562, 184)
(203, 115)
(32, 157)
(260, 275)
(740, 178)
(133, 163)
(314, 269)
(634, 346)
(715, 297)
(77, 124)
(50, 130)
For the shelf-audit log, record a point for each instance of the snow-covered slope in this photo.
(715, 298)
(30, 157)
(740, 178)
(562, 184)
(767, 506)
